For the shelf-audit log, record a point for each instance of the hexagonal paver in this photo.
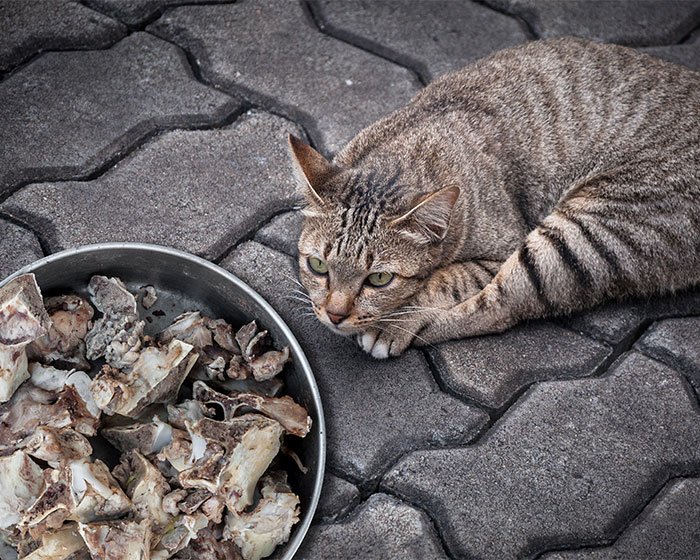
(375, 410)
(617, 321)
(382, 528)
(493, 369)
(67, 113)
(668, 528)
(18, 247)
(282, 233)
(633, 22)
(137, 12)
(430, 37)
(29, 27)
(272, 52)
(568, 465)
(197, 190)
(687, 53)
(676, 342)
(338, 497)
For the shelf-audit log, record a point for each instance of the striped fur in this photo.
(578, 169)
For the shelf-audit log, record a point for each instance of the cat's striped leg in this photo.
(580, 255)
(447, 287)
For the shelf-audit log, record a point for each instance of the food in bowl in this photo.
(195, 412)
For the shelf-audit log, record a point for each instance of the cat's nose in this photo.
(335, 318)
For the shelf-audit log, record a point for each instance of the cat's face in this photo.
(355, 279)
(363, 256)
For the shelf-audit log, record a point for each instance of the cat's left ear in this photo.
(311, 168)
(427, 221)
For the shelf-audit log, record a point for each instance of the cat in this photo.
(539, 181)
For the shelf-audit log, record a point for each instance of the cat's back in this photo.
(553, 101)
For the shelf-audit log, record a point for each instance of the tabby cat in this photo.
(539, 181)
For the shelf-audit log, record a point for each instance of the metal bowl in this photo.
(185, 282)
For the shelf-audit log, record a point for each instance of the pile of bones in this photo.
(198, 478)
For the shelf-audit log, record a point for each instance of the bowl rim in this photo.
(301, 531)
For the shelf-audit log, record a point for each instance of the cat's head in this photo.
(369, 239)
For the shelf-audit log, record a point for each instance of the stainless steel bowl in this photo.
(185, 282)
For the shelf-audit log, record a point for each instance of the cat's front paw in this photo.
(381, 345)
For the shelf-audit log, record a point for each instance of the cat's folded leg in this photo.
(587, 251)
(395, 331)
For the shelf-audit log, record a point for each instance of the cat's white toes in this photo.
(380, 350)
(367, 340)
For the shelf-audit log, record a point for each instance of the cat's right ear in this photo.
(311, 168)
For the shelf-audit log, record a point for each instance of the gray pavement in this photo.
(164, 121)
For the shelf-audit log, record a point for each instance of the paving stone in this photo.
(493, 369)
(18, 247)
(430, 37)
(633, 22)
(375, 410)
(282, 233)
(67, 113)
(676, 342)
(567, 465)
(667, 529)
(338, 496)
(137, 12)
(30, 27)
(196, 190)
(271, 51)
(687, 53)
(615, 322)
(383, 528)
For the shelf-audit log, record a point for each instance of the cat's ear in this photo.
(311, 168)
(427, 221)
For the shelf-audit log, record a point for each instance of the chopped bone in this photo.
(269, 524)
(144, 485)
(146, 438)
(23, 319)
(63, 544)
(250, 441)
(21, 483)
(65, 340)
(149, 297)
(291, 415)
(190, 328)
(117, 539)
(78, 491)
(155, 378)
(54, 445)
(118, 308)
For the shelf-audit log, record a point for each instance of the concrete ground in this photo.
(164, 121)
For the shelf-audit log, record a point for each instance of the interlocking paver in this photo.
(67, 113)
(282, 233)
(375, 411)
(29, 27)
(136, 12)
(271, 51)
(197, 190)
(567, 465)
(383, 528)
(615, 322)
(18, 247)
(431, 37)
(687, 53)
(493, 369)
(676, 342)
(632, 22)
(337, 498)
(667, 529)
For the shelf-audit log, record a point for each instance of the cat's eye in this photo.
(317, 265)
(379, 279)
